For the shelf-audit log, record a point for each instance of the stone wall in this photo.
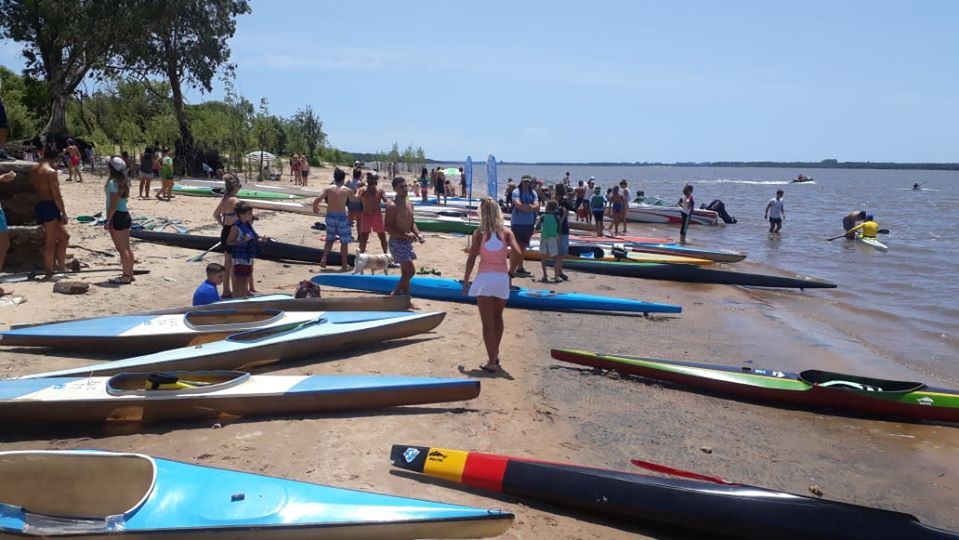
(18, 199)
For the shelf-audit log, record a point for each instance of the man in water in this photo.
(337, 223)
(776, 212)
(403, 231)
(371, 219)
(850, 221)
(869, 228)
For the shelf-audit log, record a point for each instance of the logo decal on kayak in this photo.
(926, 401)
(436, 455)
(410, 454)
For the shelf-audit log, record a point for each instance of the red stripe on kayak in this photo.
(485, 471)
(665, 469)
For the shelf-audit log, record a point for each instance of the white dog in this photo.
(373, 262)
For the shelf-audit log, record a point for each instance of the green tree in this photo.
(23, 123)
(184, 41)
(310, 128)
(64, 41)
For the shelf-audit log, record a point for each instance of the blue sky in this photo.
(612, 81)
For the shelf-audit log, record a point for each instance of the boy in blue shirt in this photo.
(207, 292)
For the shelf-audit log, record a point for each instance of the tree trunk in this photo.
(57, 124)
(184, 147)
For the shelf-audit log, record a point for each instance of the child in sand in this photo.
(244, 246)
(207, 293)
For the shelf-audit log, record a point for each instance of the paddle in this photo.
(104, 253)
(880, 231)
(198, 258)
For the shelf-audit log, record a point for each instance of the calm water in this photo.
(902, 303)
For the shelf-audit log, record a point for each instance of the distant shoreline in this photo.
(828, 164)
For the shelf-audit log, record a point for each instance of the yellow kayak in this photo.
(533, 254)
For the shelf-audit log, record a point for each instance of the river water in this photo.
(902, 304)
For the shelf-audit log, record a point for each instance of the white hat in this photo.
(117, 163)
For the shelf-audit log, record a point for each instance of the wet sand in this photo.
(541, 409)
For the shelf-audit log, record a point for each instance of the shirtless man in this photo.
(337, 224)
(50, 211)
(372, 217)
(403, 231)
(74, 153)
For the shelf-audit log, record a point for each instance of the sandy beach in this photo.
(539, 408)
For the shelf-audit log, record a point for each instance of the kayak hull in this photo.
(577, 252)
(69, 400)
(692, 274)
(715, 255)
(911, 400)
(719, 509)
(872, 242)
(334, 331)
(208, 191)
(273, 251)
(451, 290)
(671, 215)
(113, 495)
(451, 225)
(150, 333)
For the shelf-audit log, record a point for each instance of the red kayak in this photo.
(620, 240)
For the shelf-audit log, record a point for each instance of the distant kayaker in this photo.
(850, 221)
(495, 246)
(207, 292)
(916, 186)
(776, 212)
(688, 205)
(869, 228)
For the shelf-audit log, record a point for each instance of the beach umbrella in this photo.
(451, 171)
(260, 155)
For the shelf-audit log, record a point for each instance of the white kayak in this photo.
(180, 395)
(648, 213)
(332, 331)
(872, 242)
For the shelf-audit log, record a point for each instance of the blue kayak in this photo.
(106, 495)
(451, 290)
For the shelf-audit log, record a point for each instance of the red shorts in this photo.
(243, 270)
(371, 222)
(74, 161)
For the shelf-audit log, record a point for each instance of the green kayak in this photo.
(204, 191)
(810, 388)
(446, 225)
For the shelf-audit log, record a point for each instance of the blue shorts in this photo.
(402, 251)
(523, 234)
(338, 228)
(564, 244)
(3, 221)
(47, 211)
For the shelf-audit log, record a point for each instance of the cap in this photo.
(869, 217)
(117, 164)
(592, 178)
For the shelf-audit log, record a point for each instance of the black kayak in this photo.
(687, 500)
(273, 251)
(692, 274)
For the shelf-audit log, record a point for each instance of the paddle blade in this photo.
(663, 469)
(882, 231)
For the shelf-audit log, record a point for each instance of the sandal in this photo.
(122, 280)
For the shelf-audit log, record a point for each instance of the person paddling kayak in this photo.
(916, 186)
(850, 221)
(869, 228)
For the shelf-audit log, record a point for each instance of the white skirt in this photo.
(494, 284)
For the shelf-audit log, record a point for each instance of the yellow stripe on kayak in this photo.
(445, 464)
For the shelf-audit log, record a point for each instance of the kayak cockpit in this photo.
(842, 381)
(268, 333)
(230, 319)
(174, 382)
(61, 491)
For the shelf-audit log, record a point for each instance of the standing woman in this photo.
(146, 172)
(117, 190)
(50, 211)
(687, 203)
(424, 182)
(295, 168)
(225, 215)
(304, 170)
(494, 244)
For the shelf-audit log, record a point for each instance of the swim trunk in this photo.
(121, 221)
(74, 161)
(402, 251)
(440, 189)
(598, 215)
(617, 208)
(549, 247)
(305, 174)
(776, 221)
(242, 270)
(224, 235)
(685, 224)
(338, 228)
(564, 244)
(47, 211)
(3, 221)
(523, 234)
(371, 222)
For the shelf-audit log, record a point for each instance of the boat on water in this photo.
(809, 388)
(654, 210)
(149, 333)
(184, 395)
(332, 331)
(451, 290)
(689, 501)
(103, 495)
